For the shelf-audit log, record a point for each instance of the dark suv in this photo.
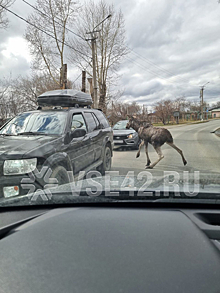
(73, 139)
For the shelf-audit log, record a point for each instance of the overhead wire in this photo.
(81, 73)
(66, 44)
(158, 67)
(47, 16)
(140, 56)
(152, 72)
(40, 29)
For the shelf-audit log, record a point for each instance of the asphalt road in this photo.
(200, 147)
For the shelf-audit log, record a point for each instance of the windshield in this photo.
(109, 100)
(121, 125)
(42, 123)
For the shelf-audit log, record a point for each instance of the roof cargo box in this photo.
(64, 98)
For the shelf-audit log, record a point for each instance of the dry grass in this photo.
(181, 122)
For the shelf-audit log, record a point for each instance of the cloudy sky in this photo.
(174, 49)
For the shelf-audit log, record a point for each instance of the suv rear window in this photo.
(103, 121)
(98, 126)
(90, 122)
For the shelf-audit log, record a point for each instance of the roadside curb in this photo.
(184, 124)
(217, 130)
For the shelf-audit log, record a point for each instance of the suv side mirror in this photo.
(79, 132)
(74, 134)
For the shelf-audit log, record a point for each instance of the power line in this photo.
(157, 66)
(150, 62)
(45, 15)
(171, 75)
(147, 69)
(142, 57)
(20, 17)
(40, 29)
(77, 78)
(81, 73)
(153, 73)
(135, 62)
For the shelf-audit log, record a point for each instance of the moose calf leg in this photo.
(140, 146)
(146, 151)
(160, 157)
(179, 151)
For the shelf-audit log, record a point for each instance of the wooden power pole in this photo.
(201, 97)
(84, 81)
(93, 43)
(95, 96)
(91, 88)
(63, 77)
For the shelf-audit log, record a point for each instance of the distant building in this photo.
(215, 113)
(190, 115)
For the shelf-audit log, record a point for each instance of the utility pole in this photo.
(90, 87)
(83, 81)
(95, 96)
(201, 99)
(63, 77)
(93, 42)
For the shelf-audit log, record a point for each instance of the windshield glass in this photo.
(120, 125)
(109, 100)
(46, 123)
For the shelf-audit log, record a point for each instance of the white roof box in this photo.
(64, 98)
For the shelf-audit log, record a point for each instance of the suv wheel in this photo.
(60, 173)
(107, 161)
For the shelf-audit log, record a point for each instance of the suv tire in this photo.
(61, 174)
(107, 161)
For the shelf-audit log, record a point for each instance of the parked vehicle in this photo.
(73, 139)
(125, 137)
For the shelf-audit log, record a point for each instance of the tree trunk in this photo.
(102, 100)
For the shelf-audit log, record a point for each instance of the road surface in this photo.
(201, 149)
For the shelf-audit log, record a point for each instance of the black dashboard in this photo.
(110, 249)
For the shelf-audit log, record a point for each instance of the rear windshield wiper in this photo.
(32, 133)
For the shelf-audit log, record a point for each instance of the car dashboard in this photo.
(110, 249)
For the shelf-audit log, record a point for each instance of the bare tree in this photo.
(194, 106)
(48, 36)
(10, 102)
(110, 44)
(27, 89)
(164, 110)
(120, 111)
(5, 90)
(180, 104)
(3, 17)
(216, 105)
(21, 94)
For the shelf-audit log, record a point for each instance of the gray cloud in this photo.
(13, 66)
(182, 38)
(178, 41)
